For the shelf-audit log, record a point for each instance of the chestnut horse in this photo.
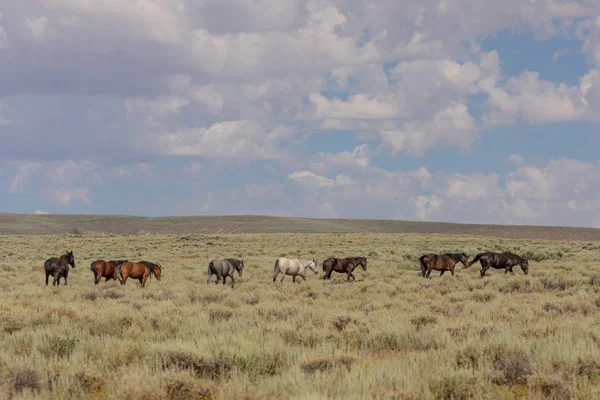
(343, 265)
(441, 262)
(137, 270)
(59, 267)
(105, 269)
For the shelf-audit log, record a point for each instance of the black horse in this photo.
(59, 267)
(506, 261)
(343, 265)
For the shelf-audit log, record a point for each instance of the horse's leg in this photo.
(232, 280)
(303, 277)
(452, 270)
(484, 268)
(442, 273)
(282, 276)
(224, 278)
(57, 279)
(294, 278)
(511, 271)
(47, 276)
(429, 271)
(209, 276)
(66, 279)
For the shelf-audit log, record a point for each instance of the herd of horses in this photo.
(121, 270)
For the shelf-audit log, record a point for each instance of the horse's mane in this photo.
(118, 262)
(150, 265)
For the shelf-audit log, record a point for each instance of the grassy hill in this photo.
(24, 224)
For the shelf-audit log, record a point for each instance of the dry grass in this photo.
(390, 334)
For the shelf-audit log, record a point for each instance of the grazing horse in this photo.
(294, 267)
(59, 267)
(225, 268)
(137, 270)
(105, 269)
(506, 260)
(343, 265)
(441, 262)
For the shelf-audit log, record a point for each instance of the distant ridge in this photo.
(30, 224)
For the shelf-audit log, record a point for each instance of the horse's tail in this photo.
(276, 268)
(424, 266)
(473, 261)
(119, 273)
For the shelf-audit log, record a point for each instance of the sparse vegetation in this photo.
(389, 334)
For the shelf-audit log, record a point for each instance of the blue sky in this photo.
(463, 111)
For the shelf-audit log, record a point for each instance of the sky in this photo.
(471, 111)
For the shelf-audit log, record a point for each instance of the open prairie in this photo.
(390, 334)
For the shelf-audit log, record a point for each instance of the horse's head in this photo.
(362, 261)
(70, 258)
(240, 267)
(464, 259)
(157, 271)
(524, 266)
(315, 269)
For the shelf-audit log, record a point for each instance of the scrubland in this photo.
(389, 335)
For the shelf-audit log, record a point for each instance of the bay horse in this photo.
(294, 267)
(506, 260)
(58, 267)
(225, 268)
(343, 265)
(441, 262)
(137, 270)
(105, 269)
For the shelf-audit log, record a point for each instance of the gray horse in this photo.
(225, 268)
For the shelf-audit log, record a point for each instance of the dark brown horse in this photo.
(506, 261)
(441, 262)
(59, 267)
(105, 269)
(343, 265)
(137, 270)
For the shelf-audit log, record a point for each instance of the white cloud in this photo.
(310, 180)
(427, 206)
(153, 108)
(515, 159)
(245, 140)
(61, 182)
(39, 28)
(472, 187)
(357, 158)
(358, 106)
(453, 126)
(133, 172)
(210, 97)
(193, 168)
(40, 212)
(534, 100)
(25, 172)
(66, 197)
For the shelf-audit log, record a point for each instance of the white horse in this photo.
(294, 267)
